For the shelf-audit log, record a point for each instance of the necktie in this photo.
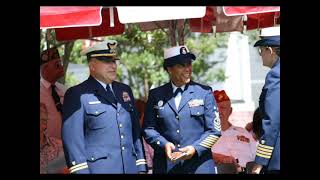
(110, 94)
(56, 98)
(177, 91)
(177, 98)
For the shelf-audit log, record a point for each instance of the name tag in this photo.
(196, 102)
(95, 102)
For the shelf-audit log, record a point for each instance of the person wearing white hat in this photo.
(101, 131)
(181, 120)
(267, 158)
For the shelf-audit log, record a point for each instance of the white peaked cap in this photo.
(105, 45)
(270, 31)
(174, 51)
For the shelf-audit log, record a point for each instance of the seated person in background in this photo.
(51, 152)
(236, 145)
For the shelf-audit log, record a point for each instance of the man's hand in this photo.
(168, 149)
(256, 169)
(190, 150)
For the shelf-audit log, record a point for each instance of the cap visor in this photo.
(180, 59)
(107, 58)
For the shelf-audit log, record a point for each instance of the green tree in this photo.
(141, 54)
(71, 80)
(142, 57)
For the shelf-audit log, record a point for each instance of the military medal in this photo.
(126, 97)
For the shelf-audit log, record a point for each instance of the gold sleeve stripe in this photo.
(265, 153)
(140, 163)
(79, 168)
(206, 143)
(209, 142)
(265, 150)
(213, 136)
(205, 146)
(140, 160)
(265, 146)
(264, 156)
(78, 165)
(210, 139)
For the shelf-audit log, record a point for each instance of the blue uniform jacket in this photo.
(268, 151)
(196, 122)
(98, 136)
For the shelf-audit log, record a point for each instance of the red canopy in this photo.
(73, 16)
(72, 23)
(109, 26)
(236, 18)
(242, 10)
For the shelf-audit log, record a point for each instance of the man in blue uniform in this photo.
(101, 131)
(181, 118)
(268, 151)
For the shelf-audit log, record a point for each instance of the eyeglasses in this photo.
(260, 49)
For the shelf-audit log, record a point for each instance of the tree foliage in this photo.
(141, 54)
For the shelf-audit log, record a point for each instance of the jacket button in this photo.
(122, 148)
(118, 114)
(263, 141)
(158, 142)
(178, 145)
(92, 158)
(158, 116)
(121, 136)
(178, 131)
(120, 125)
(177, 117)
(96, 112)
(198, 113)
